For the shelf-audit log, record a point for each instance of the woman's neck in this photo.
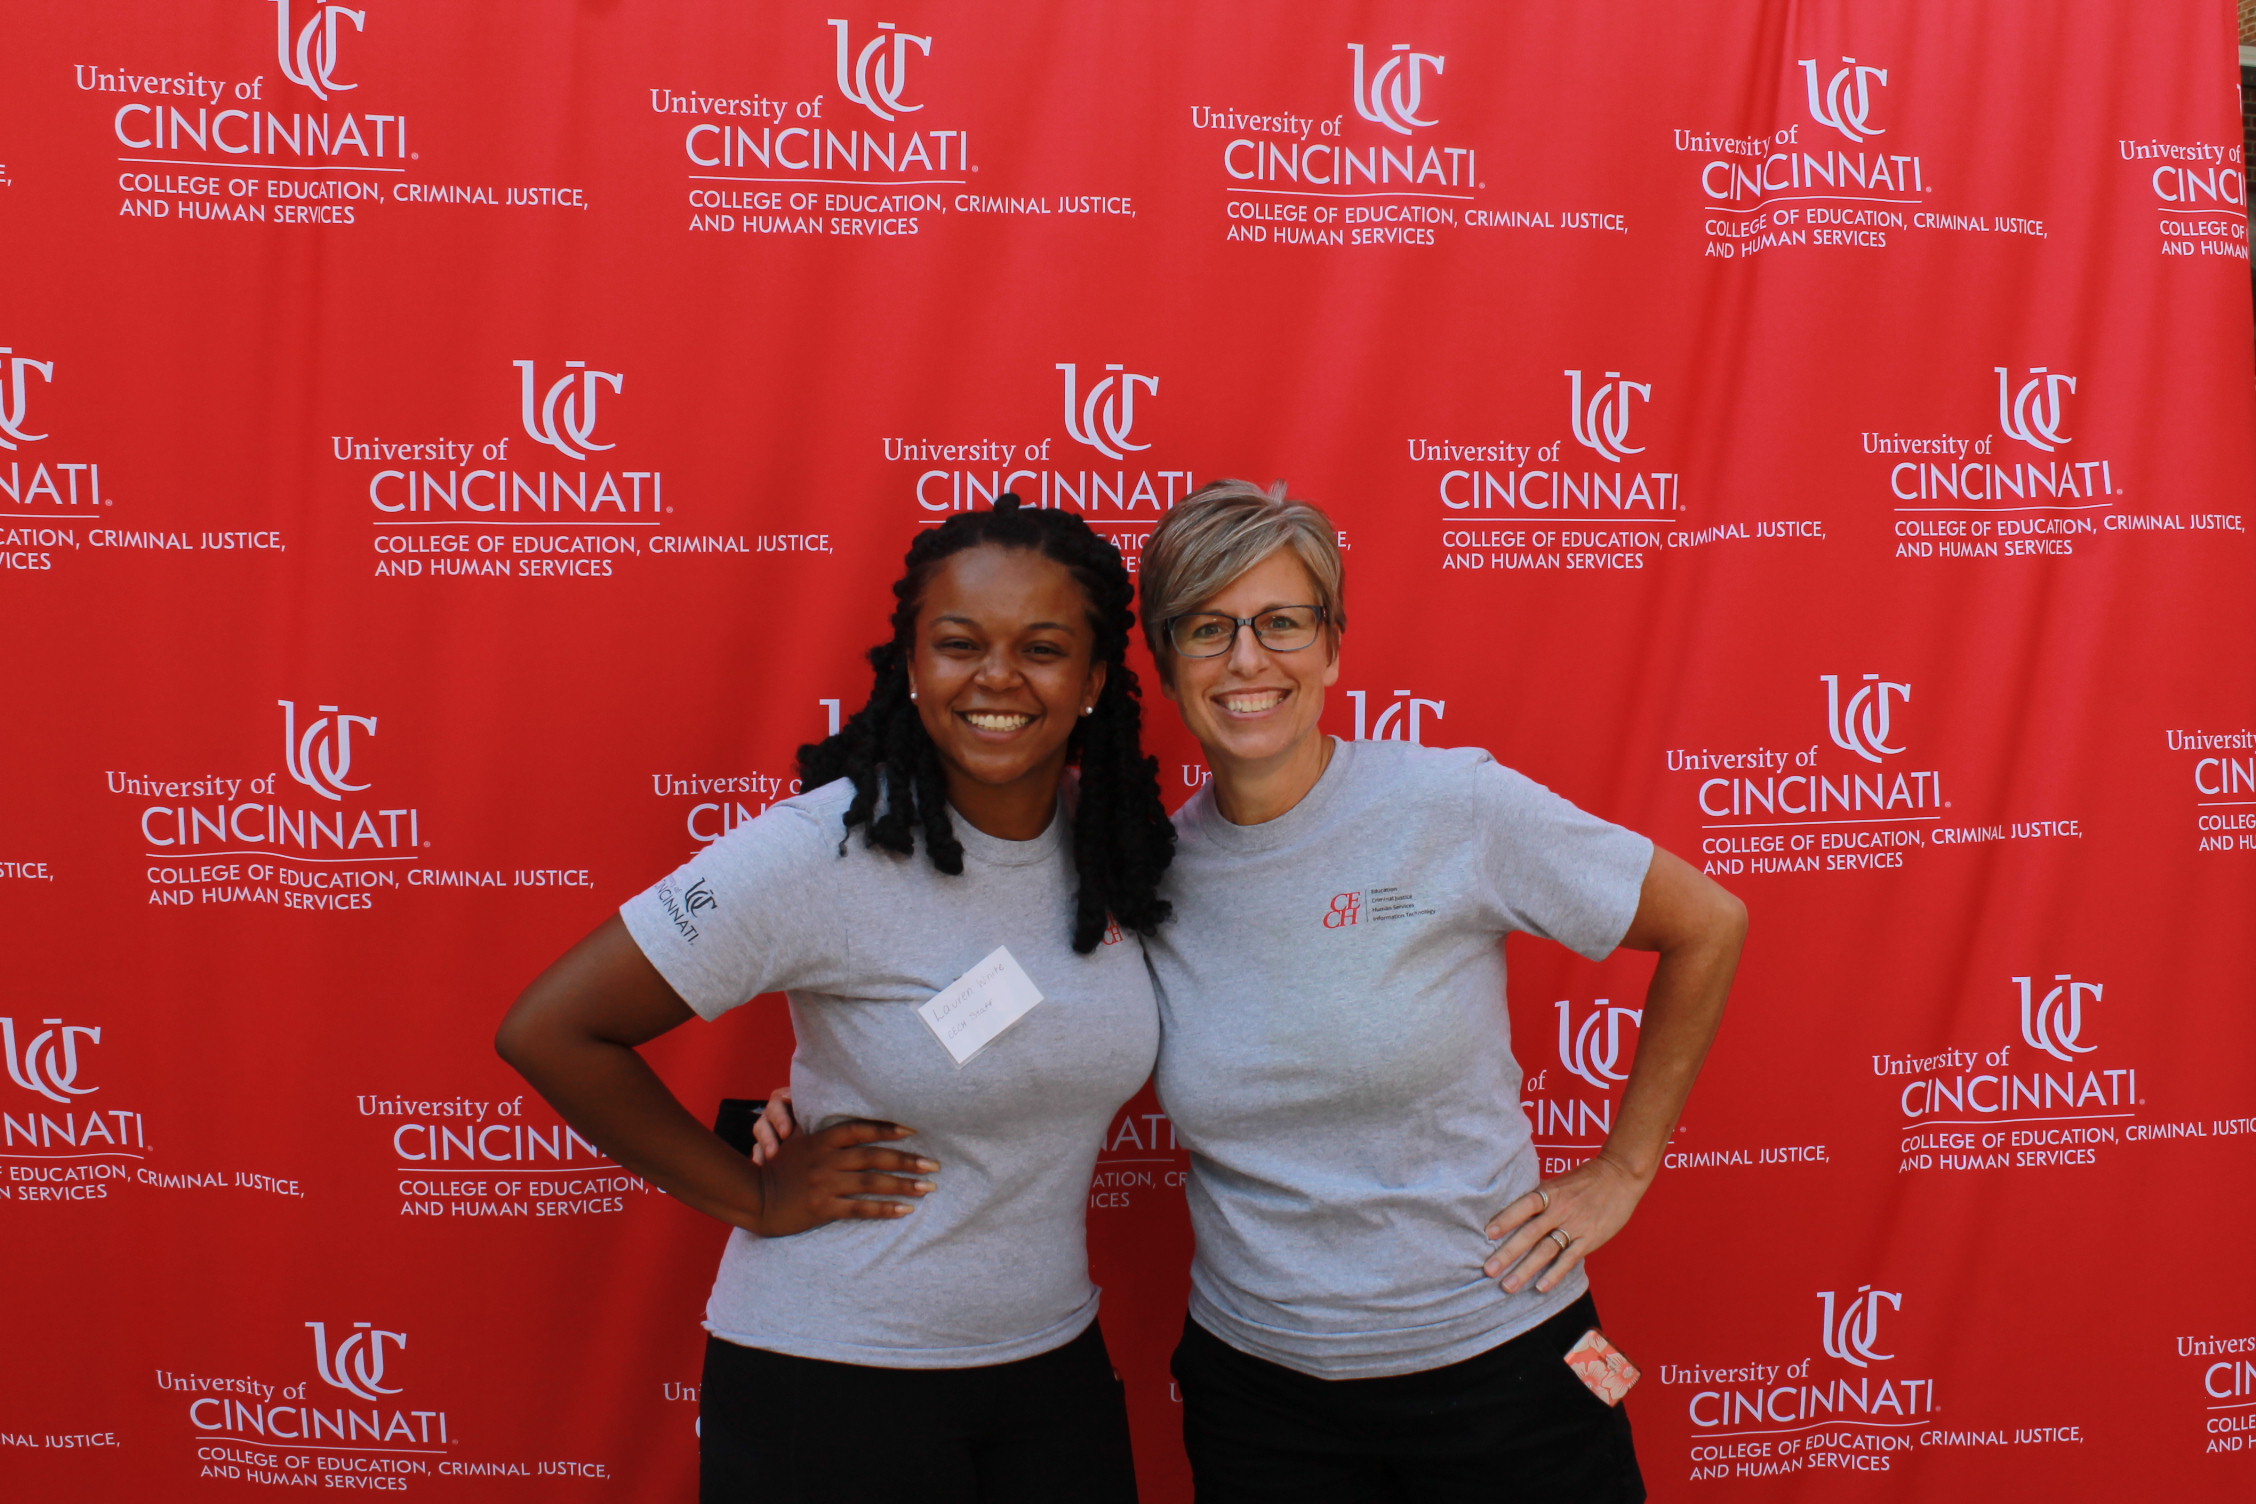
(1254, 793)
(1016, 811)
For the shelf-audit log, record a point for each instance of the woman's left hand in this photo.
(1585, 1207)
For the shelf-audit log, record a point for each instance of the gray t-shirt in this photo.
(993, 1266)
(1336, 1055)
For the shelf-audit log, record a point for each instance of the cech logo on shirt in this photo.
(1112, 935)
(680, 906)
(1346, 909)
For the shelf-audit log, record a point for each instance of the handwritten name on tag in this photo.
(968, 1014)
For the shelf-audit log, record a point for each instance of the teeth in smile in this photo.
(1255, 703)
(989, 721)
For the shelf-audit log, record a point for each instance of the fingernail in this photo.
(928, 1165)
(926, 1185)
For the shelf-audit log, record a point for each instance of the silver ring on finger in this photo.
(1546, 1195)
(1562, 1237)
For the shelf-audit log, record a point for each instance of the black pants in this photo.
(1512, 1423)
(1050, 1429)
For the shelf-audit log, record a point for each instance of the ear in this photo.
(1096, 682)
(1331, 669)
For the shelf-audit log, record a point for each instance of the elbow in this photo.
(515, 1040)
(1731, 917)
(1726, 927)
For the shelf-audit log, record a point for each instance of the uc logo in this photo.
(48, 1063)
(2030, 414)
(309, 55)
(1400, 722)
(12, 397)
(1602, 424)
(1850, 1332)
(1105, 417)
(1593, 1048)
(1345, 909)
(321, 759)
(1392, 94)
(1861, 726)
(2055, 1024)
(1845, 102)
(356, 1365)
(565, 419)
(870, 78)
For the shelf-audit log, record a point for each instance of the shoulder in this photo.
(797, 829)
(1452, 783)
(1191, 816)
(825, 804)
(1440, 770)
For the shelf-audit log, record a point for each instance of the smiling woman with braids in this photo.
(904, 1308)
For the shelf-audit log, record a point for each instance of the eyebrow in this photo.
(1032, 626)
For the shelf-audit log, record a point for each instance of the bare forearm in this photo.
(1683, 1009)
(617, 1102)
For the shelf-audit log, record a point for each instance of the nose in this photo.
(1247, 655)
(996, 671)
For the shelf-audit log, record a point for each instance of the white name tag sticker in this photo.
(968, 1014)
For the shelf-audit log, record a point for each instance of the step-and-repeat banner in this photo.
(451, 456)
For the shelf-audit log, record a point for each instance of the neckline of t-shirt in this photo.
(995, 851)
(1290, 825)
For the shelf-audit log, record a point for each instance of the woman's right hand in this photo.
(813, 1178)
(775, 1123)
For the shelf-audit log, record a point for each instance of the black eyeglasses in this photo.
(1210, 634)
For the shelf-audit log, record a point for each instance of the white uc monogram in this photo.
(869, 79)
(565, 419)
(321, 758)
(2055, 1024)
(1850, 1336)
(2028, 415)
(1587, 1053)
(308, 57)
(1845, 102)
(12, 398)
(49, 1062)
(1103, 419)
(1861, 726)
(1392, 95)
(357, 1366)
(1399, 722)
(1602, 425)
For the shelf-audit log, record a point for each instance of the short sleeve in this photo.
(754, 912)
(1555, 870)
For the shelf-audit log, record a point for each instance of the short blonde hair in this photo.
(1219, 532)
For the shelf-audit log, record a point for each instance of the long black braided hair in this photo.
(1122, 840)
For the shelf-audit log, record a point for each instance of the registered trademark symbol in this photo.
(426, 843)
(415, 156)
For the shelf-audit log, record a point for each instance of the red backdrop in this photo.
(453, 455)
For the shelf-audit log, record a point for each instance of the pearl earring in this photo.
(1088, 710)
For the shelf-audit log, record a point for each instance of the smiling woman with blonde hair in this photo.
(1383, 1297)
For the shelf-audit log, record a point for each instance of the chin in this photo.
(1256, 744)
